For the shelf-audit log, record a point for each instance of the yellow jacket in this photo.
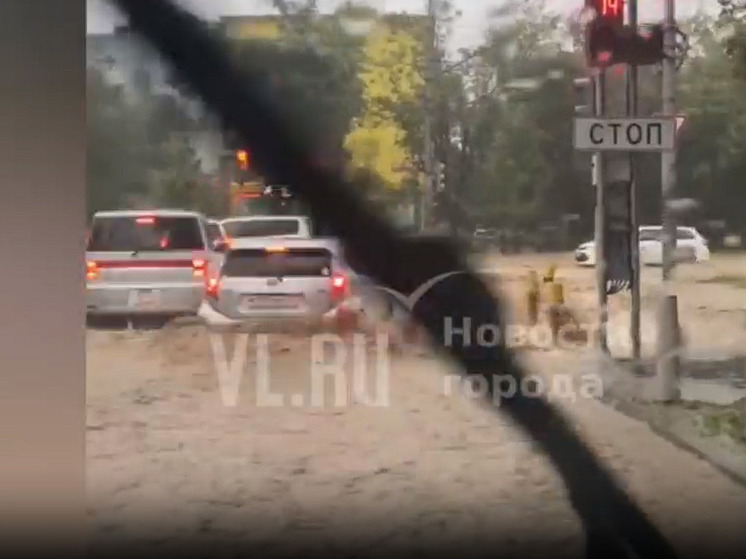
(556, 293)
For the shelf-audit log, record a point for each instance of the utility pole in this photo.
(599, 108)
(632, 109)
(668, 321)
(426, 195)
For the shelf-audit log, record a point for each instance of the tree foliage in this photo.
(136, 151)
(501, 115)
(117, 155)
(309, 69)
(393, 81)
(512, 162)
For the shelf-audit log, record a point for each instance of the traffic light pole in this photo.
(668, 323)
(599, 107)
(632, 109)
(608, 42)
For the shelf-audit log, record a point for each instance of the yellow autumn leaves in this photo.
(391, 77)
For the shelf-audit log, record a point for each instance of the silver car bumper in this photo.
(233, 312)
(144, 299)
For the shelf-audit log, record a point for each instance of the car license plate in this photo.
(270, 302)
(145, 299)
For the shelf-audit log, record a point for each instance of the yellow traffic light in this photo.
(242, 158)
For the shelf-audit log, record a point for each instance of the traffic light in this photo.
(241, 169)
(603, 30)
(242, 159)
(583, 89)
(646, 45)
(609, 41)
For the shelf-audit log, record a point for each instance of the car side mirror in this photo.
(219, 245)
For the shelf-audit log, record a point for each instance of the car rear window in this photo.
(298, 262)
(684, 234)
(213, 232)
(145, 233)
(261, 227)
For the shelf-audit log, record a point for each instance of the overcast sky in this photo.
(468, 31)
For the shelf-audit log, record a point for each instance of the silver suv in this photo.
(147, 263)
(279, 279)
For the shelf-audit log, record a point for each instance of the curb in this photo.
(629, 409)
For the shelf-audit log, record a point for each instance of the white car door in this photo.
(686, 244)
(651, 252)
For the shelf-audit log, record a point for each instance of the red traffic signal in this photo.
(602, 43)
(607, 44)
(242, 158)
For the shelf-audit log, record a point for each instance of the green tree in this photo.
(731, 27)
(117, 150)
(137, 152)
(712, 148)
(522, 167)
(310, 72)
(179, 182)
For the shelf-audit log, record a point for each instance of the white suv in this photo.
(691, 246)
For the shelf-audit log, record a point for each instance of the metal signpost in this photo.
(599, 107)
(617, 139)
(631, 99)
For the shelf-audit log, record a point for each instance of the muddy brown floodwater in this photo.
(167, 459)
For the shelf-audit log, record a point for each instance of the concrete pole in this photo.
(599, 106)
(632, 109)
(668, 323)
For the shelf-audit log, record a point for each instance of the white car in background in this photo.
(691, 246)
(266, 226)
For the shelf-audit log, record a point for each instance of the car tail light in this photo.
(91, 270)
(213, 288)
(340, 286)
(145, 220)
(200, 267)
